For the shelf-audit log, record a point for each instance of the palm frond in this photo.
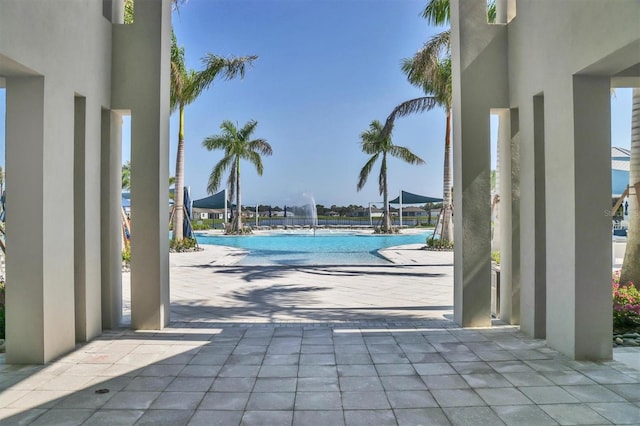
(178, 73)
(437, 12)
(255, 159)
(370, 140)
(261, 146)
(229, 129)
(216, 174)
(424, 63)
(245, 132)
(212, 143)
(411, 106)
(366, 171)
(432, 74)
(491, 12)
(214, 65)
(231, 180)
(405, 154)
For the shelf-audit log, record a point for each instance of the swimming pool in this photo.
(304, 248)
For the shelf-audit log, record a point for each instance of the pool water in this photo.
(305, 248)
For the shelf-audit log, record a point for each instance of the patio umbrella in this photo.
(186, 224)
(2, 206)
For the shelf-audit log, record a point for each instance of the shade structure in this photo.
(215, 201)
(409, 198)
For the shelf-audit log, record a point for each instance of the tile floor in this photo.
(249, 351)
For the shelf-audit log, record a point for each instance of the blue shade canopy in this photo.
(409, 198)
(215, 201)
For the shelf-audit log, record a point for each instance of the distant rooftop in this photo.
(620, 158)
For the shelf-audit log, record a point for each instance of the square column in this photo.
(141, 58)
(533, 231)
(578, 227)
(472, 220)
(479, 83)
(86, 207)
(509, 217)
(110, 217)
(40, 226)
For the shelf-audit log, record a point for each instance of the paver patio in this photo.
(317, 346)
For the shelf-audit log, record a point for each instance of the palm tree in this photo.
(186, 86)
(375, 145)
(430, 69)
(126, 175)
(237, 145)
(631, 265)
(426, 69)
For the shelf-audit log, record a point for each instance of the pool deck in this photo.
(317, 345)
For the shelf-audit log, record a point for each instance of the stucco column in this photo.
(533, 235)
(141, 57)
(509, 219)
(40, 294)
(110, 217)
(86, 201)
(578, 228)
(479, 84)
(472, 267)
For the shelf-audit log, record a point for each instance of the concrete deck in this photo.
(326, 345)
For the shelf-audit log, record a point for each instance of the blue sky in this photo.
(326, 69)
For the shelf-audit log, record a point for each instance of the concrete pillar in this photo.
(40, 241)
(110, 227)
(87, 220)
(509, 219)
(533, 278)
(472, 278)
(579, 320)
(141, 57)
(479, 84)
(79, 139)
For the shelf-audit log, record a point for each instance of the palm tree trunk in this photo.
(178, 194)
(238, 199)
(386, 224)
(631, 265)
(447, 224)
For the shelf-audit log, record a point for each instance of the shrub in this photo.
(126, 254)
(186, 244)
(495, 256)
(199, 226)
(626, 305)
(437, 243)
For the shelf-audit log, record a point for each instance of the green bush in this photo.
(495, 256)
(200, 226)
(186, 244)
(126, 254)
(437, 243)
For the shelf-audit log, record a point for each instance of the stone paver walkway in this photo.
(289, 346)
